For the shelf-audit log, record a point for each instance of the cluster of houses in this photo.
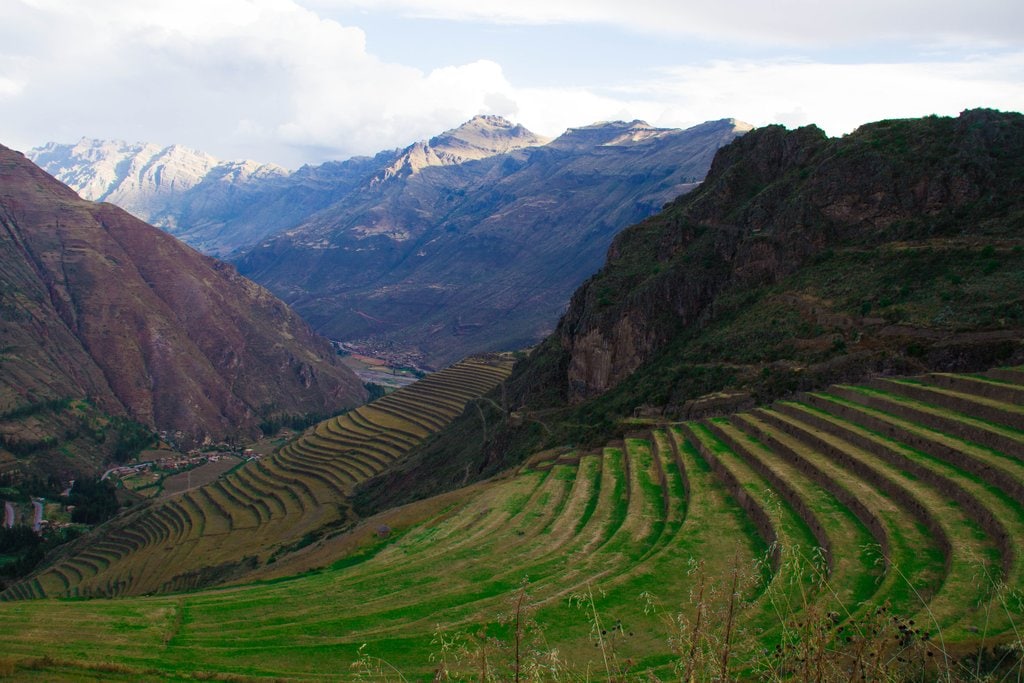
(177, 462)
(383, 351)
(11, 513)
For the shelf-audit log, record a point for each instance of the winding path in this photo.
(9, 514)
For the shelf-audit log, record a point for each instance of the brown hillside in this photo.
(100, 305)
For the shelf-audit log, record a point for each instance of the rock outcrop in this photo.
(480, 137)
(773, 201)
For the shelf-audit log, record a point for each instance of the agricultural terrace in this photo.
(862, 530)
(261, 509)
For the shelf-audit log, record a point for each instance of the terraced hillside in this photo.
(263, 508)
(883, 519)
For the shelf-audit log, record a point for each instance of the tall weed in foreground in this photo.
(606, 636)
(370, 668)
(704, 637)
(736, 626)
(512, 649)
(823, 640)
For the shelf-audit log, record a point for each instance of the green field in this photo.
(868, 530)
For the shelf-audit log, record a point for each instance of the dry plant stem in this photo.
(365, 665)
(734, 584)
(483, 662)
(695, 633)
(519, 632)
(942, 642)
(597, 630)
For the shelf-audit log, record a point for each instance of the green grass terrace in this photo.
(864, 530)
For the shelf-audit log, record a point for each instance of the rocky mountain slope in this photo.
(800, 261)
(481, 137)
(161, 185)
(140, 178)
(220, 207)
(481, 254)
(783, 200)
(100, 306)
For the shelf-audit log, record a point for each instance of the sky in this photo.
(305, 81)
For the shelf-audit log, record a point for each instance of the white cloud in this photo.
(784, 22)
(260, 78)
(275, 81)
(10, 87)
(837, 97)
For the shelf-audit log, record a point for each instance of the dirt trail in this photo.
(9, 514)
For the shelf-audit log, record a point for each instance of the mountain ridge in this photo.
(481, 255)
(480, 137)
(477, 202)
(221, 206)
(100, 306)
(799, 194)
(144, 179)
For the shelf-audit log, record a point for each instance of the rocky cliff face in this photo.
(479, 255)
(98, 305)
(773, 201)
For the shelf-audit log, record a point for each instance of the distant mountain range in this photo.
(470, 241)
(220, 207)
(163, 186)
(97, 305)
(481, 255)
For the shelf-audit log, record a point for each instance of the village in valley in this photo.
(381, 363)
(157, 472)
(164, 471)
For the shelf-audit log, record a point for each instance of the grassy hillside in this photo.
(263, 509)
(871, 529)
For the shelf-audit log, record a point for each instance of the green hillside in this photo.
(264, 509)
(870, 529)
